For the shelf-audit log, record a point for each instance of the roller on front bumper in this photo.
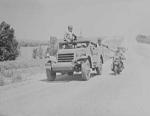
(61, 67)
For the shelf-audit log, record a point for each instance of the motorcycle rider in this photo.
(119, 53)
(100, 49)
(118, 57)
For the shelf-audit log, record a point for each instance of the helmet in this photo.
(70, 27)
(118, 50)
(99, 41)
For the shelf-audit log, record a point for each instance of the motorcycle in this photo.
(117, 65)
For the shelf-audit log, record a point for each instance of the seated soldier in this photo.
(119, 54)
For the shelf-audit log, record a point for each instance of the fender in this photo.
(83, 58)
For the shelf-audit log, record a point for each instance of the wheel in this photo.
(50, 75)
(86, 71)
(115, 70)
(70, 73)
(112, 66)
(121, 66)
(99, 69)
(118, 72)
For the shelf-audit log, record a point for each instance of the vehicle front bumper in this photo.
(62, 67)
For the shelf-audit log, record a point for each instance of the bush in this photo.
(37, 53)
(53, 46)
(34, 53)
(8, 43)
(143, 39)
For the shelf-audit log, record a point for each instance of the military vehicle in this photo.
(81, 56)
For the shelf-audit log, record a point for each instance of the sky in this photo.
(40, 19)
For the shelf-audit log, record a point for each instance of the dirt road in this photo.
(107, 95)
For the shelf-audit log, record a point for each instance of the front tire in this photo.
(86, 71)
(116, 71)
(51, 75)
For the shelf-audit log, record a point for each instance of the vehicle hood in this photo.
(65, 51)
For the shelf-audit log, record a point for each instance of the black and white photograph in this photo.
(74, 58)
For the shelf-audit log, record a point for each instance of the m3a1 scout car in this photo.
(81, 56)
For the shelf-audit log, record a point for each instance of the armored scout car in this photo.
(81, 56)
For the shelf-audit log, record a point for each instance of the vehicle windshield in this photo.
(74, 45)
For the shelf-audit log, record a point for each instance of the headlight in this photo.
(53, 59)
(94, 63)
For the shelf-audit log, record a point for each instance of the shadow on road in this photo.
(112, 73)
(65, 78)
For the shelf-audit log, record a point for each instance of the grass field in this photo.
(23, 67)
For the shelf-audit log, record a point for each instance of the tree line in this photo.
(25, 43)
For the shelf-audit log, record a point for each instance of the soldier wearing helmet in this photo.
(118, 53)
(69, 35)
(100, 49)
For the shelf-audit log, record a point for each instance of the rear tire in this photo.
(50, 75)
(86, 71)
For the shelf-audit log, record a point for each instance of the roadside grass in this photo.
(143, 39)
(19, 70)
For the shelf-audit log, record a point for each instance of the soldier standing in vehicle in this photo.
(100, 50)
(69, 35)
